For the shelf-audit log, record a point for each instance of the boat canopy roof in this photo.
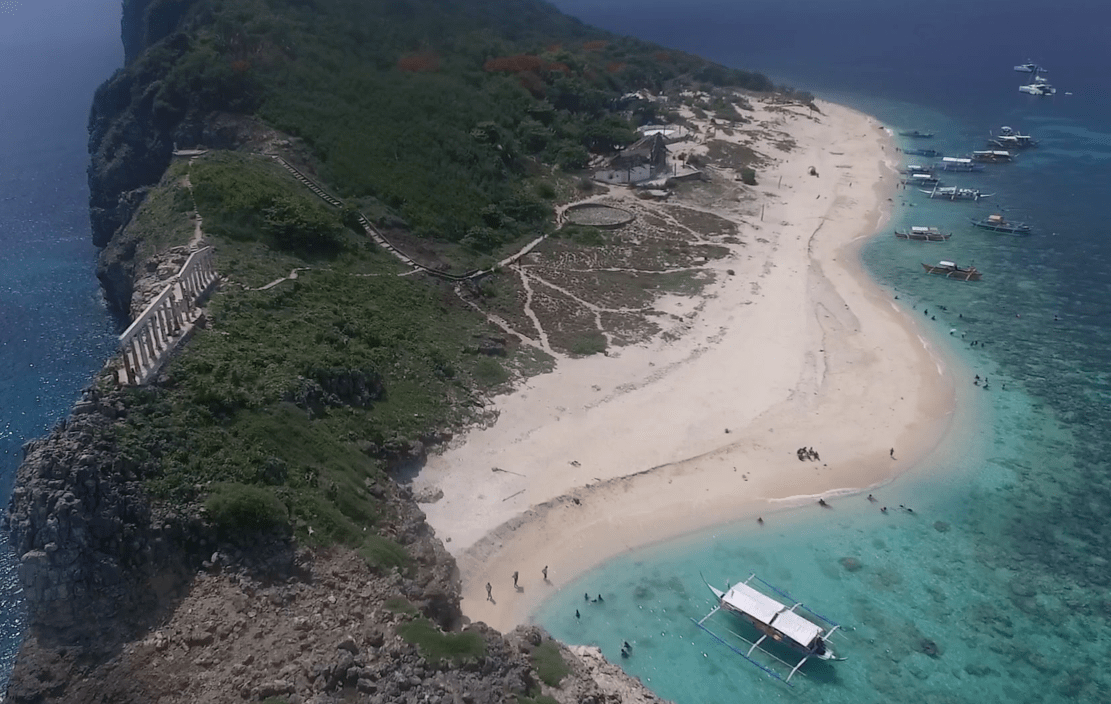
(952, 265)
(956, 160)
(765, 609)
(919, 228)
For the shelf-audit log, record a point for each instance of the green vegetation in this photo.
(436, 646)
(440, 112)
(452, 124)
(238, 507)
(248, 201)
(401, 605)
(549, 663)
(591, 343)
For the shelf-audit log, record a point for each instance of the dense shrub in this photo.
(436, 646)
(549, 663)
(235, 508)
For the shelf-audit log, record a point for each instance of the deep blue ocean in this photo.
(997, 588)
(55, 331)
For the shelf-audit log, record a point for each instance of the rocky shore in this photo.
(130, 600)
(130, 603)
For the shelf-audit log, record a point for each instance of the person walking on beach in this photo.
(893, 453)
(545, 573)
(515, 575)
(489, 592)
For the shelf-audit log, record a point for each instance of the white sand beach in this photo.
(797, 348)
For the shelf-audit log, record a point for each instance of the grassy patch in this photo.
(549, 663)
(591, 343)
(401, 605)
(162, 221)
(236, 508)
(436, 646)
(489, 372)
(383, 553)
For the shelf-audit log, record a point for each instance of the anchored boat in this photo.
(1010, 139)
(922, 179)
(924, 234)
(954, 193)
(953, 163)
(951, 271)
(918, 169)
(1040, 86)
(997, 223)
(792, 626)
(992, 156)
(917, 135)
(932, 153)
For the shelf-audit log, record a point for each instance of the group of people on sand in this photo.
(807, 453)
(516, 584)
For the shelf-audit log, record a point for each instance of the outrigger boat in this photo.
(912, 169)
(954, 193)
(932, 153)
(924, 234)
(996, 223)
(916, 134)
(922, 179)
(992, 156)
(1009, 139)
(773, 620)
(953, 163)
(1030, 67)
(951, 271)
(1040, 86)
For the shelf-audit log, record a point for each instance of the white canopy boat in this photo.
(773, 620)
(1040, 86)
(954, 193)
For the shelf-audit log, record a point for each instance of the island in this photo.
(426, 309)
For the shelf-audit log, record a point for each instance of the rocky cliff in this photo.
(137, 118)
(131, 600)
(130, 603)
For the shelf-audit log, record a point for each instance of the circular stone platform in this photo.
(597, 215)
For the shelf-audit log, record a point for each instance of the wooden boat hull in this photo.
(1004, 228)
(923, 236)
(950, 273)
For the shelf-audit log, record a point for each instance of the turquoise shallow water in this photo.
(998, 587)
(976, 572)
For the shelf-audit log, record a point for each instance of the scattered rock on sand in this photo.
(851, 564)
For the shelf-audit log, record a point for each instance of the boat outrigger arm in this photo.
(755, 645)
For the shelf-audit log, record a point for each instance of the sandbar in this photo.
(798, 347)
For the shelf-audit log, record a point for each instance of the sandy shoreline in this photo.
(798, 348)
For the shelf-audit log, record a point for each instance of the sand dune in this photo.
(798, 348)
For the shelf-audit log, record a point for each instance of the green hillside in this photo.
(459, 123)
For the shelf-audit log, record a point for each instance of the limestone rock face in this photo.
(82, 529)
